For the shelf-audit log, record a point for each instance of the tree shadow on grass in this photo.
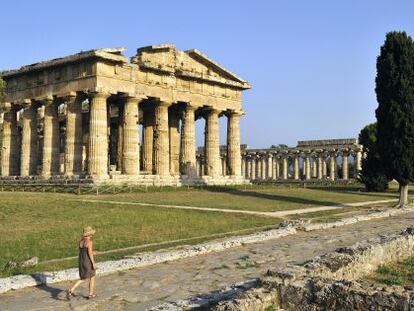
(355, 191)
(268, 196)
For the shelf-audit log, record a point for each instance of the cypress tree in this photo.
(395, 112)
(372, 174)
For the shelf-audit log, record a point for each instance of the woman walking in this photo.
(87, 266)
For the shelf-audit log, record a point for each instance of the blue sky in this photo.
(311, 63)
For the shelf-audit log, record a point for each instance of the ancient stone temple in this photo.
(97, 115)
(312, 160)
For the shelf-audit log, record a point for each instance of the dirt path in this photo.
(139, 289)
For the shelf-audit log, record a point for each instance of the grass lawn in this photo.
(401, 273)
(49, 225)
(256, 198)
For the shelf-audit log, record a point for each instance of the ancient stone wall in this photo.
(331, 281)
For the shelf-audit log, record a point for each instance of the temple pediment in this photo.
(190, 64)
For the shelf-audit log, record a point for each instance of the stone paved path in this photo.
(139, 289)
(268, 214)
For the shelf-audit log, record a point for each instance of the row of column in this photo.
(164, 144)
(273, 166)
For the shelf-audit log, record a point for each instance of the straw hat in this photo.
(88, 231)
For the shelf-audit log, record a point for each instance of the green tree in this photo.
(395, 112)
(373, 174)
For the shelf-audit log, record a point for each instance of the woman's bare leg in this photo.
(78, 282)
(92, 286)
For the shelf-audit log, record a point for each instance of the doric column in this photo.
(324, 168)
(120, 138)
(10, 147)
(74, 132)
(307, 167)
(224, 165)
(332, 160)
(263, 167)
(51, 140)
(274, 167)
(130, 141)
(296, 167)
(148, 140)
(314, 167)
(188, 146)
(243, 167)
(174, 138)
(29, 151)
(320, 166)
(269, 166)
(285, 167)
(233, 143)
(277, 168)
(212, 143)
(358, 161)
(258, 171)
(161, 141)
(202, 166)
(98, 136)
(345, 171)
(253, 168)
(198, 164)
(248, 167)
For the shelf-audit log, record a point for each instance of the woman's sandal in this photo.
(91, 296)
(69, 294)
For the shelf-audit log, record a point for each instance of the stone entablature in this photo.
(79, 116)
(325, 143)
(157, 71)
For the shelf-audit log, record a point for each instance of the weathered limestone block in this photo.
(51, 140)
(148, 140)
(74, 145)
(212, 143)
(10, 145)
(233, 143)
(98, 136)
(161, 145)
(29, 151)
(130, 141)
(188, 145)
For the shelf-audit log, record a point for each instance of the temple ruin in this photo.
(95, 115)
(312, 160)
